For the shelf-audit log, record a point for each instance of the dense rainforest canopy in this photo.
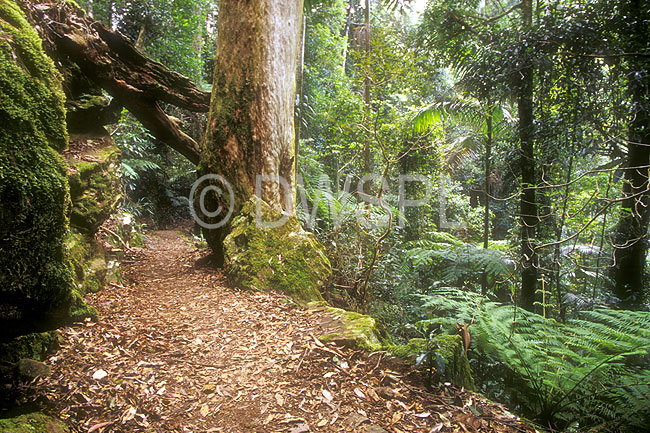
(474, 167)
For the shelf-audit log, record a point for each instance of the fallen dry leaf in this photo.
(188, 353)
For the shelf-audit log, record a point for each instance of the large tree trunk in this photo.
(298, 114)
(528, 204)
(251, 123)
(631, 239)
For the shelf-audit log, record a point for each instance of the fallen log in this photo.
(111, 61)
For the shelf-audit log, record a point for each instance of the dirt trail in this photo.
(175, 350)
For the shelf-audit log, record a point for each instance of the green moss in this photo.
(285, 258)
(33, 423)
(30, 346)
(35, 279)
(95, 186)
(79, 310)
(74, 5)
(355, 330)
(409, 351)
(450, 348)
(88, 262)
(29, 82)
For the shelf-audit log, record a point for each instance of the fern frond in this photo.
(592, 371)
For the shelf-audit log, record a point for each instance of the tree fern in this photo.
(460, 259)
(592, 372)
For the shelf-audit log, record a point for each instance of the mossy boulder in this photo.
(35, 279)
(94, 177)
(87, 113)
(447, 353)
(32, 423)
(352, 329)
(88, 261)
(30, 346)
(284, 258)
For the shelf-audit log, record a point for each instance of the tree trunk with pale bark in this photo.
(250, 129)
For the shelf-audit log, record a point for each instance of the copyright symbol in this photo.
(219, 193)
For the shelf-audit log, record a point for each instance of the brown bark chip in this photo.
(176, 350)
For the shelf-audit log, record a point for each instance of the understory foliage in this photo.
(497, 108)
(459, 262)
(181, 35)
(588, 373)
(156, 180)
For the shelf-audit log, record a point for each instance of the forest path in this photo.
(176, 350)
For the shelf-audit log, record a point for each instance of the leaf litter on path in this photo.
(177, 350)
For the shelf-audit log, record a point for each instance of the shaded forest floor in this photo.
(176, 350)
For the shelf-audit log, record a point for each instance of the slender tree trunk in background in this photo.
(486, 215)
(603, 228)
(528, 204)
(346, 32)
(631, 239)
(139, 43)
(366, 86)
(558, 237)
(250, 128)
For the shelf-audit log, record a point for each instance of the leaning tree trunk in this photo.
(251, 122)
(80, 45)
(631, 239)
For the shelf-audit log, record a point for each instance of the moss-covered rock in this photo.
(284, 258)
(94, 177)
(88, 113)
(31, 346)
(79, 310)
(409, 351)
(88, 261)
(32, 423)
(449, 348)
(28, 369)
(35, 279)
(351, 329)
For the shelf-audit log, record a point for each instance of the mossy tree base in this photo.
(285, 258)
